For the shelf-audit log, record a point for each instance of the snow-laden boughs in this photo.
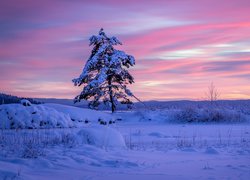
(104, 75)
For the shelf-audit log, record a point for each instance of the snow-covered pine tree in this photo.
(104, 76)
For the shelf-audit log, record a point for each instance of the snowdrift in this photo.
(101, 136)
(18, 116)
(80, 114)
(15, 116)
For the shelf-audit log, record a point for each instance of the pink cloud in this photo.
(177, 45)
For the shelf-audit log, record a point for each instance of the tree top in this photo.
(102, 38)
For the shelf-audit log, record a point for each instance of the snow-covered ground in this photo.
(137, 147)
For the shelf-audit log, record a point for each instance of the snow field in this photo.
(140, 146)
(162, 137)
(154, 151)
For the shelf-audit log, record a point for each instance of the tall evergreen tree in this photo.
(104, 75)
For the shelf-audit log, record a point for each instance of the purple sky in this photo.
(180, 46)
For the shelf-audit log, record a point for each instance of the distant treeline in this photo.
(8, 99)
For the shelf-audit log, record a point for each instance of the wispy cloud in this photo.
(180, 46)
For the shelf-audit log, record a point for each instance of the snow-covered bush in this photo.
(17, 116)
(207, 115)
(187, 115)
(25, 102)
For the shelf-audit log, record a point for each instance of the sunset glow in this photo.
(180, 47)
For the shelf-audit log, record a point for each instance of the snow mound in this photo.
(25, 102)
(81, 114)
(14, 116)
(102, 136)
(211, 150)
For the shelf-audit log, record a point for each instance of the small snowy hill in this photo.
(101, 136)
(80, 114)
(17, 116)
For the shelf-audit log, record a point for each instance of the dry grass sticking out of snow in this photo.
(155, 151)
(33, 143)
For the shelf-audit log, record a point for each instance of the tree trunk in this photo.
(111, 96)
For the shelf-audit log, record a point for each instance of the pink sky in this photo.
(180, 46)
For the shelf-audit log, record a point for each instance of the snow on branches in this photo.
(104, 75)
